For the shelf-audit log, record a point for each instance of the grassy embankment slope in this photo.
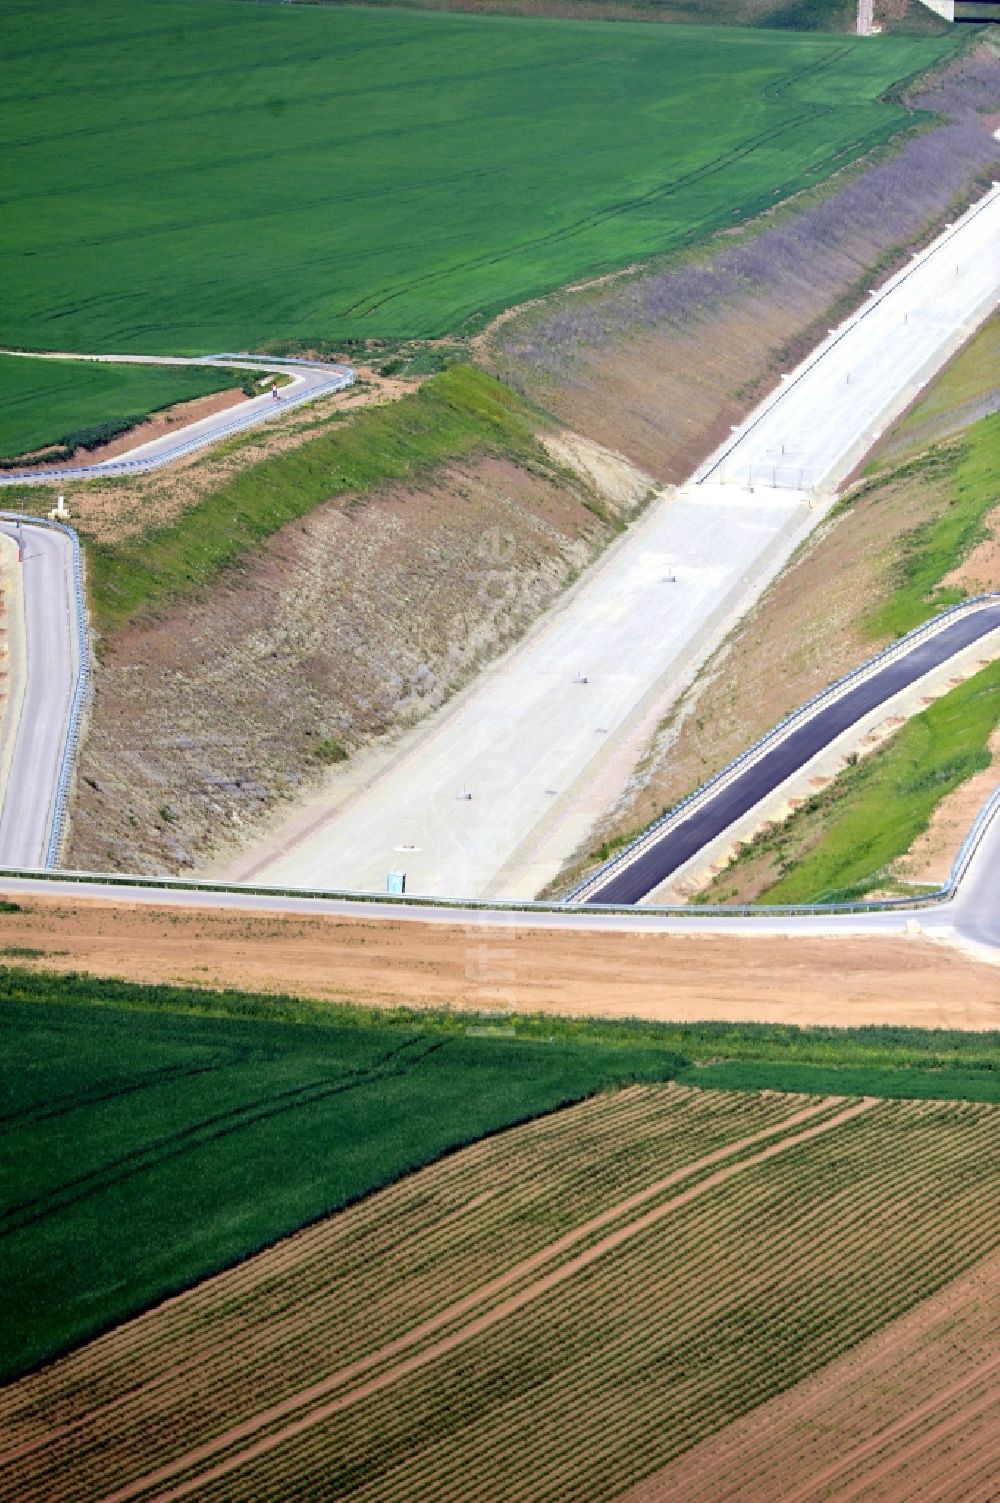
(457, 413)
(311, 173)
(75, 404)
(155, 1134)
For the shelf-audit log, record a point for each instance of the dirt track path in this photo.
(533, 1290)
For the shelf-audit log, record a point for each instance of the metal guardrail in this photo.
(970, 845)
(111, 467)
(693, 913)
(776, 734)
(80, 685)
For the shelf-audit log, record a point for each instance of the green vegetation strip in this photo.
(151, 1135)
(839, 845)
(456, 413)
(74, 404)
(183, 176)
(972, 470)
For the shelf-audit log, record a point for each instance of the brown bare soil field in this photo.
(923, 1393)
(351, 625)
(677, 978)
(980, 571)
(558, 1311)
(659, 364)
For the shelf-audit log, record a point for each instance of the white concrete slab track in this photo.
(307, 380)
(498, 789)
(968, 917)
(826, 414)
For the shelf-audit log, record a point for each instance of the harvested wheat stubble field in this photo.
(553, 1313)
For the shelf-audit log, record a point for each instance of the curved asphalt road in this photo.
(309, 379)
(51, 646)
(631, 877)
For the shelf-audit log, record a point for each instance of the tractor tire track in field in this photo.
(929, 1438)
(730, 158)
(17, 1217)
(470, 1303)
(64, 1106)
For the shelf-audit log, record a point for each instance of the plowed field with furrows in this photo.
(553, 1313)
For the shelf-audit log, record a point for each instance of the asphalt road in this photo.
(657, 861)
(51, 650)
(974, 913)
(308, 380)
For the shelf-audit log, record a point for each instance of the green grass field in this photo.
(151, 1134)
(141, 1150)
(46, 402)
(931, 552)
(875, 810)
(185, 177)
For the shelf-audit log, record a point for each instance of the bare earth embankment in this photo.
(346, 626)
(906, 981)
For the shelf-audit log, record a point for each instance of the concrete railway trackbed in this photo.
(467, 1318)
(307, 380)
(41, 768)
(819, 421)
(548, 736)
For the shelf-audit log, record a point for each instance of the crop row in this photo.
(157, 1428)
(704, 1400)
(670, 1336)
(953, 1459)
(418, 1251)
(904, 1369)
